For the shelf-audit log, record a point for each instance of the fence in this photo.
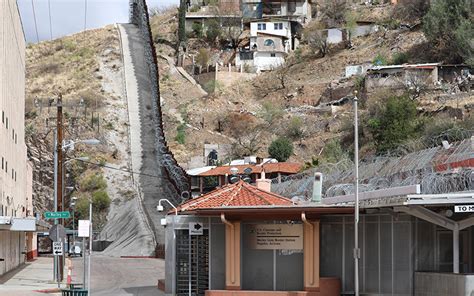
(175, 174)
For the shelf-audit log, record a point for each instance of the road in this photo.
(122, 276)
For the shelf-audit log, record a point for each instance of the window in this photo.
(6, 166)
(262, 27)
(272, 55)
(15, 176)
(278, 26)
(7, 122)
(13, 134)
(16, 138)
(269, 42)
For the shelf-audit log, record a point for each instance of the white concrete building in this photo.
(16, 210)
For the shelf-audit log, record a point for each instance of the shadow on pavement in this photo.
(7, 276)
(144, 291)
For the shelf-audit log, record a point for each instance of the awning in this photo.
(18, 224)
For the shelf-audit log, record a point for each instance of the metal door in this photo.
(444, 256)
(192, 263)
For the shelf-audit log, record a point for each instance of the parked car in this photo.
(75, 249)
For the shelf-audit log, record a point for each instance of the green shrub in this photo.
(281, 149)
(82, 208)
(181, 135)
(295, 128)
(395, 123)
(203, 57)
(399, 58)
(449, 28)
(271, 112)
(380, 60)
(333, 151)
(100, 200)
(213, 30)
(197, 30)
(92, 182)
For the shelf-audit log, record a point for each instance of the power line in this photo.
(85, 15)
(34, 18)
(50, 22)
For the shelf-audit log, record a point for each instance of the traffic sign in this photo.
(57, 215)
(83, 228)
(57, 248)
(464, 209)
(57, 233)
(196, 228)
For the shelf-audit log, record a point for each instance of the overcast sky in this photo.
(67, 16)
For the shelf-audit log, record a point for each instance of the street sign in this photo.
(57, 215)
(83, 228)
(464, 209)
(57, 233)
(196, 228)
(57, 248)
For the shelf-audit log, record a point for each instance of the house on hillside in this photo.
(269, 42)
(299, 10)
(209, 178)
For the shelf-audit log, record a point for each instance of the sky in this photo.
(67, 16)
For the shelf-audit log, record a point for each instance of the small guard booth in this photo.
(244, 240)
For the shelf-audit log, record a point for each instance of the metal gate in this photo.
(192, 263)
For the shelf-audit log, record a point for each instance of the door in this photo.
(444, 254)
(192, 263)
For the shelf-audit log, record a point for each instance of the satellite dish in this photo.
(234, 171)
(248, 171)
(247, 179)
(234, 179)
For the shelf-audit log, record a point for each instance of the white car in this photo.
(76, 249)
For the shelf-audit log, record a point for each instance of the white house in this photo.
(270, 41)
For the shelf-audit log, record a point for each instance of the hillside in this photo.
(292, 101)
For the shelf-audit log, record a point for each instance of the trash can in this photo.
(74, 292)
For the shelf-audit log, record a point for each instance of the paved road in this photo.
(120, 276)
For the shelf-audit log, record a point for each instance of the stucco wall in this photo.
(264, 60)
(12, 106)
(13, 169)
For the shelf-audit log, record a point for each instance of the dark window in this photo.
(272, 55)
(13, 134)
(7, 123)
(15, 176)
(269, 42)
(246, 55)
(6, 166)
(262, 27)
(278, 26)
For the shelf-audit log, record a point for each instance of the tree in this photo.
(315, 36)
(350, 19)
(271, 112)
(202, 58)
(213, 30)
(333, 11)
(182, 23)
(294, 129)
(411, 10)
(281, 149)
(449, 28)
(395, 123)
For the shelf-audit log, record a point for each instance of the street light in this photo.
(356, 210)
(58, 163)
(160, 208)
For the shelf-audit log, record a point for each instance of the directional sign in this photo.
(83, 228)
(464, 209)
(57, 233)
(57, 248)
(196, 228)
(57, 215)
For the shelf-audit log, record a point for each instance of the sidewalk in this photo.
(29, 279)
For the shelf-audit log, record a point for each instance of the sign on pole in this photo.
(83, 228)
(464, 209)
(196, 228)
(57, 233)
(57, 248)
(57, 215)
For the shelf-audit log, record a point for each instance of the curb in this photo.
(47, 291)
(138, 257)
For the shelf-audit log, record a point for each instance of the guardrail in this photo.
(175, 174)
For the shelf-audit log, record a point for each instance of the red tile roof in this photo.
(239, 194)
(279, 167)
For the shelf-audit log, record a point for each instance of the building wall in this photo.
(264, 60)
(12, 106)
(14, 177)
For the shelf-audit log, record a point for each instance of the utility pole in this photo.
(59, 180)
(356, 208)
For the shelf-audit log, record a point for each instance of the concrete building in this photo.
(16, 209)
